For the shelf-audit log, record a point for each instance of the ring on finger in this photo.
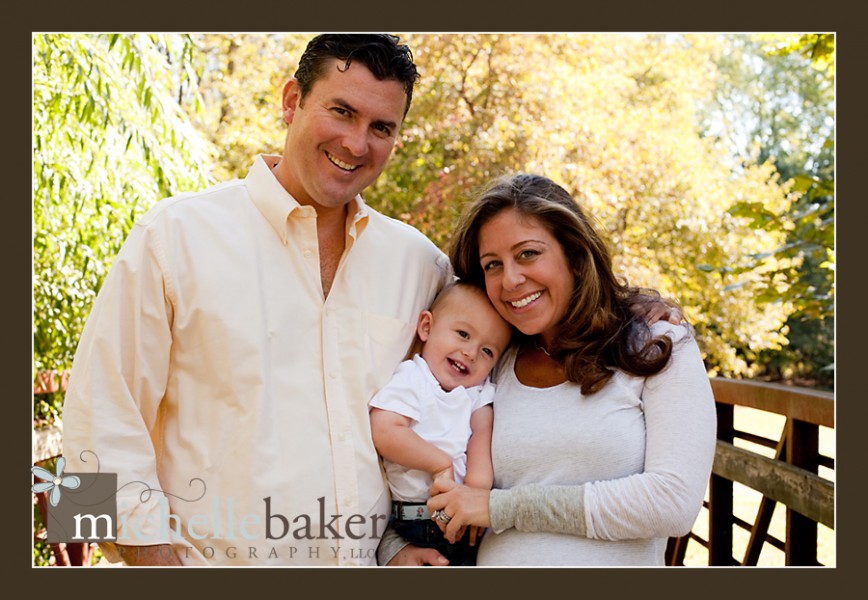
(441, 517)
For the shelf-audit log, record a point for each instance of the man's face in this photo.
(340, 136)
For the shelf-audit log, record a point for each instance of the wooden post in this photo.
(720, 499)
(676, 548)
(803, 450)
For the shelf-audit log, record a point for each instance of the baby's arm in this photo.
(480, 472)
(396, 442)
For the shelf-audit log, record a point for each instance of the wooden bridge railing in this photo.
(791, 477)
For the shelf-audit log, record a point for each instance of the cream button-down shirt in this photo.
(228, 395)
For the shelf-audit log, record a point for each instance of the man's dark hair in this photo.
(381, 53)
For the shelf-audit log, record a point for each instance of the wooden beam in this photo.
(800, 490)
(810, 406)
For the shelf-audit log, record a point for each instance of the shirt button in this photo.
(333, 374)
(308, 253)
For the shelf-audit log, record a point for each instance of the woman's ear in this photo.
(423, 327)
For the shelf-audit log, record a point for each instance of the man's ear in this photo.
(291, 99)
(423, 327)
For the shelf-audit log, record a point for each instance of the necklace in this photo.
(541, 349)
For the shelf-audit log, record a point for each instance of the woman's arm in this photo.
(681, 437)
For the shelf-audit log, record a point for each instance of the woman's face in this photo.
(527, 277)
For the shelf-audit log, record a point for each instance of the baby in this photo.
(433, 419)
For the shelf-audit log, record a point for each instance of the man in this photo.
(225, 369)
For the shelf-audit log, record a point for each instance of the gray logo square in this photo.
(87, 513)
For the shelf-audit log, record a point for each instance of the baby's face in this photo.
(463, 338)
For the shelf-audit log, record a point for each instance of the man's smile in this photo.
(338, 162)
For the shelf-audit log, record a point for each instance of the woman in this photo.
(604, 426)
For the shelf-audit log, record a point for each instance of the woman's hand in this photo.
(657, 310)
(674, 316)
(463, 506)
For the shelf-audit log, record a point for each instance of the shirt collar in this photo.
(276, 204)
(432, 381)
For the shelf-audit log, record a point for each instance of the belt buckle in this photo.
(412, 511)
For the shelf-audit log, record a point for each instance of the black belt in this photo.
(410, 511)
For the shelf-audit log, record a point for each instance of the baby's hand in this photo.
(443, 481)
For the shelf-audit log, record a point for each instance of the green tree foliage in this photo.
(621, 120)
(242, 87)
(473, 118)
(613, 118)
(775, 103)
(109, 139)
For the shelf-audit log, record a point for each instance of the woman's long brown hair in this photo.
(601, 331)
